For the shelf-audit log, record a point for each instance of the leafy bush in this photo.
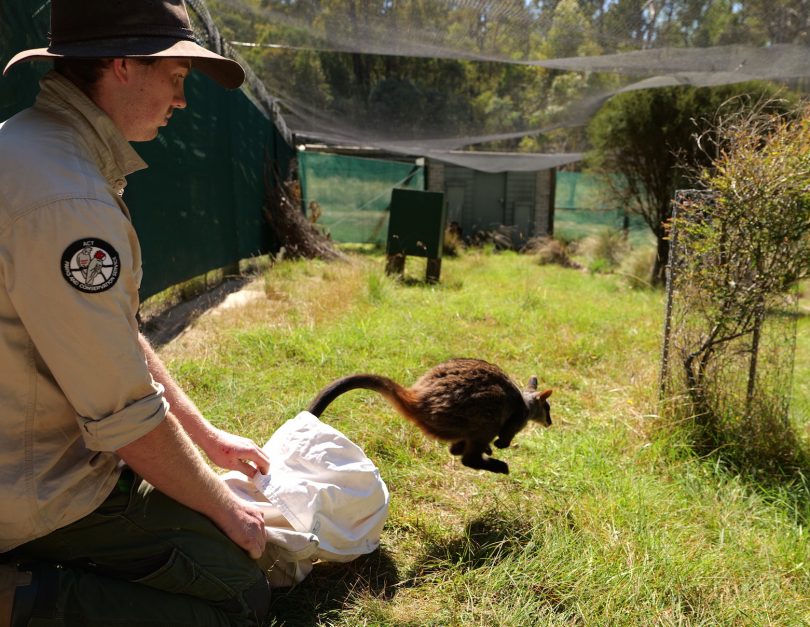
(742, 247)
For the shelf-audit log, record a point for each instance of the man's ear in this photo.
(121, 69)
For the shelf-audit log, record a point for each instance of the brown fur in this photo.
(468, 402)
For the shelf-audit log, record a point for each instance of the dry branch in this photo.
(299, 237)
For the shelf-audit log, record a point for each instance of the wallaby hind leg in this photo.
(457, 448)
(474, 457)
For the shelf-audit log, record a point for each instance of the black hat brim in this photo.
(224, 71)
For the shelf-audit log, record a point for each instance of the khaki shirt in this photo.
(74, 385)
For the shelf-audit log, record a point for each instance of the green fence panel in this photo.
(353, 193)
(23, 24)
(200, 204)
(582, 190)
(584, 205)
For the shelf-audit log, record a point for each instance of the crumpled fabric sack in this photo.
(323, 499)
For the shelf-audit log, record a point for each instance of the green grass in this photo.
(600, 522)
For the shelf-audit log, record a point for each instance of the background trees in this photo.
(649, 138)
(387, 69)
(459, 74)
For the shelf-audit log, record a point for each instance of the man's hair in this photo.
(85, 73)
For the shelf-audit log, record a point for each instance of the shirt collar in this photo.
(113, 154)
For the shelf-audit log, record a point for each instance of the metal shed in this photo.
(519, 204)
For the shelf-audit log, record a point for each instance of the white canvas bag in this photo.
(323, 499)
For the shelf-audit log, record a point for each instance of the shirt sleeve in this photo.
(73, 270)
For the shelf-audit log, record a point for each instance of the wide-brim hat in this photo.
(135, 28)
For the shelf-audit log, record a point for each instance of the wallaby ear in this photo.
(545, 395)
(532, 386)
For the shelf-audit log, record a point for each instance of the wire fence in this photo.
(729, 365)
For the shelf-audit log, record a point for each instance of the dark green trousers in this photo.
(139, 559)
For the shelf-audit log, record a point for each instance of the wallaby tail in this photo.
(391, 390)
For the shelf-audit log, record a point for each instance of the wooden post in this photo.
(434, 268)
(395, 264)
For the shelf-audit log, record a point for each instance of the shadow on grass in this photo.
(328, 587)
(488, 539)
(768, 453)
(497, 535)
(368, 249)
(412, 281)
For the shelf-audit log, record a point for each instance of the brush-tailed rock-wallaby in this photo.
(467, 402)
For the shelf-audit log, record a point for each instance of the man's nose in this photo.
(179, 101)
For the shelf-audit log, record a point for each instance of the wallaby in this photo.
(468, 402)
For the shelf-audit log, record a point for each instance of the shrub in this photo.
(605, 250)
(548, 250)
(743, 246)
(637, 267)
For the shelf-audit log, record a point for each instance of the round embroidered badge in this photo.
(91, 265)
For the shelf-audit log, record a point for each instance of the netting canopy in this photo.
(444, 78)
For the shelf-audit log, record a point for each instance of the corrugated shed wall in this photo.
(544, 202)
(523, 200)
(458, 189)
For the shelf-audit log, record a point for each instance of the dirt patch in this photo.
(162, 328)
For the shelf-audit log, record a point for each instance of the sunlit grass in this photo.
(598, 522)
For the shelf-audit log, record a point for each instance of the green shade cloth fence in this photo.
(353, 194)
(584, 205)
(200, 205)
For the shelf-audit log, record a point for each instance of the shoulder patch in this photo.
(91, 265)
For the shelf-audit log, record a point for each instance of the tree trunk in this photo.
(659, 272)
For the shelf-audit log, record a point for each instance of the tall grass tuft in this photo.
(453, 241)
(549, 250)
(604, 250)
(378, 286)
(637, 267)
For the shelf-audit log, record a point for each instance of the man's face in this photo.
(156, 91)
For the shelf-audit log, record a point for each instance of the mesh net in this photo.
(429, 77)
(349, 196)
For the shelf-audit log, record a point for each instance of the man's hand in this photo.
(244, 524)
(167, 459)
(233, 452)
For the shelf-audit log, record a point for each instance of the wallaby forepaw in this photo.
(501, 443)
